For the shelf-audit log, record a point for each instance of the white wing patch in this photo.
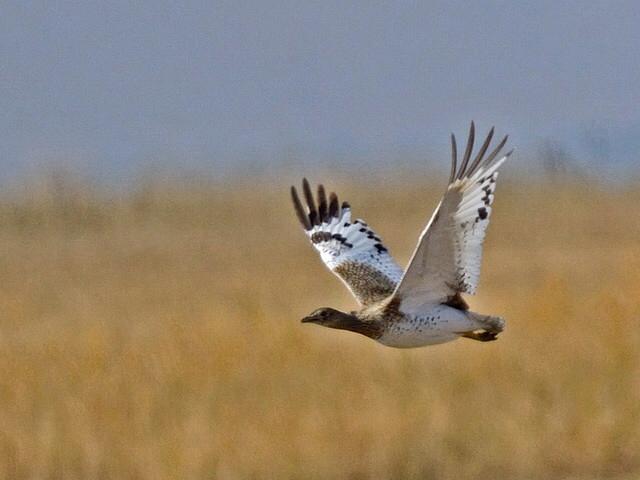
(469, 224)
(448, 257)
(351, 250)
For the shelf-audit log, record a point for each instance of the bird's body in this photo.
(422, 305)
(386, 323)
(437, 324)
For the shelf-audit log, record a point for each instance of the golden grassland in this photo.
(156, 335)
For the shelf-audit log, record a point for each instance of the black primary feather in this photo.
(297, 205)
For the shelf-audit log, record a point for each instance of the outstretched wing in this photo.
(351, 250)
(447, 260)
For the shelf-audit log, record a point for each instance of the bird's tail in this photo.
(487, 322)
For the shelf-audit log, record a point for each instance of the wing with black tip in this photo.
(447, 260)
(349, 249)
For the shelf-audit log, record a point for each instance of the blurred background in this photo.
(152, 272)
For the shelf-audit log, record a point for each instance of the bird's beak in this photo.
(309, 319)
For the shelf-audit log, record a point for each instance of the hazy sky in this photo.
(116, 86)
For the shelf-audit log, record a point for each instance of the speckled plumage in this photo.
(366, 282)
(422, 305)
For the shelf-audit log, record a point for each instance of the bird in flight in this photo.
(422, 305)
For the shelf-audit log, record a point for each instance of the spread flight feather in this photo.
(446, 261)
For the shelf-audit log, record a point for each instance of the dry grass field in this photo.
(155, 335)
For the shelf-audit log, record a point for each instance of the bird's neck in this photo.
(363, 325)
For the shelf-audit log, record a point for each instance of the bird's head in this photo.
(332, 318)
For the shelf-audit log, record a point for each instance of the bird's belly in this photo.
(440, 325)
(406, 340)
